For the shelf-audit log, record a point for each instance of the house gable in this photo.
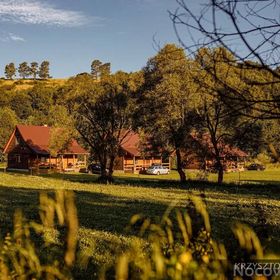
(37, 139)
(16, 144)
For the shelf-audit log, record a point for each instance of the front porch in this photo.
(135, 164)
(61, 163)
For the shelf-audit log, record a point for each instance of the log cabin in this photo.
(28, 148)
(132, 158)
(201, 154)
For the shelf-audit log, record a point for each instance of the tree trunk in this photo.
(219, 164)
(180, 169)
(273, 151)
(220, 171)
(103, 172)
(111, 169)
(106, 175)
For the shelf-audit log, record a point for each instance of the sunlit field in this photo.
(268, 176)
(104, 211)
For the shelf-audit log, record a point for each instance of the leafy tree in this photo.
(21, 104)
(24, 70)
(60, 140)
(214, 117)
(270, 138)
(41, 98)
(5, 98)
(59, 117)
(44, 70)
(102, 113)
(34, 69)
(164, 101)
(8, 121)
(249, 30)
(10, 71)
(250, 138)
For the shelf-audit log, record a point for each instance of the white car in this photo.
(157, 170)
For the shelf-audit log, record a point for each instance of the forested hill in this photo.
(29, 101)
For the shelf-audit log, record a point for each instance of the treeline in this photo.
(33, 70)
(174, 103)
(25, 70)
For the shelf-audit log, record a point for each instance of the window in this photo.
(18, 160)
(43, 159)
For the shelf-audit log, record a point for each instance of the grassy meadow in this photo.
(29, 83)
(104, 211)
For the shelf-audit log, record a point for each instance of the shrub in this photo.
(263, 158)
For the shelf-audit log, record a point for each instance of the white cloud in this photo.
(9, 37)
(36, 12)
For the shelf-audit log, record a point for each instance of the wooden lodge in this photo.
(28, 149)
(202, 156)
(133, 160)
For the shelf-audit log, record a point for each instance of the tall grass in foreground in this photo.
(182, 248)
(38, 250)
(179, 247)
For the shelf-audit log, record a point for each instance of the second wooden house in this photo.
(132, 159)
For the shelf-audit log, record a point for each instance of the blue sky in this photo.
(71, 33)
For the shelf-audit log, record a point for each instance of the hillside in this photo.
(29, 83)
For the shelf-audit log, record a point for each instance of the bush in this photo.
(263, 158)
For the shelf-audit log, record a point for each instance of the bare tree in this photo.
(250, 31)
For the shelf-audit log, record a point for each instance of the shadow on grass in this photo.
(13, 199)
(112, 213)
(95, 210)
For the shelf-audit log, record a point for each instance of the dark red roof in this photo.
(38, 139)
(225, 149)
(131, 144)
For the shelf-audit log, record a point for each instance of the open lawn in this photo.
(105, 210)
(271, 176)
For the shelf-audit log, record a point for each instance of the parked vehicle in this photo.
(94, 168)
(256, 166)
(157, 170)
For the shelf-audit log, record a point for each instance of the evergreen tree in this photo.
(44, 71)
(10, 71)
(34, 69)
(24, 70)
(105, 70)
(95, 69)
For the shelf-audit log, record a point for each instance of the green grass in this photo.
(105, 210)
(268, 176)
